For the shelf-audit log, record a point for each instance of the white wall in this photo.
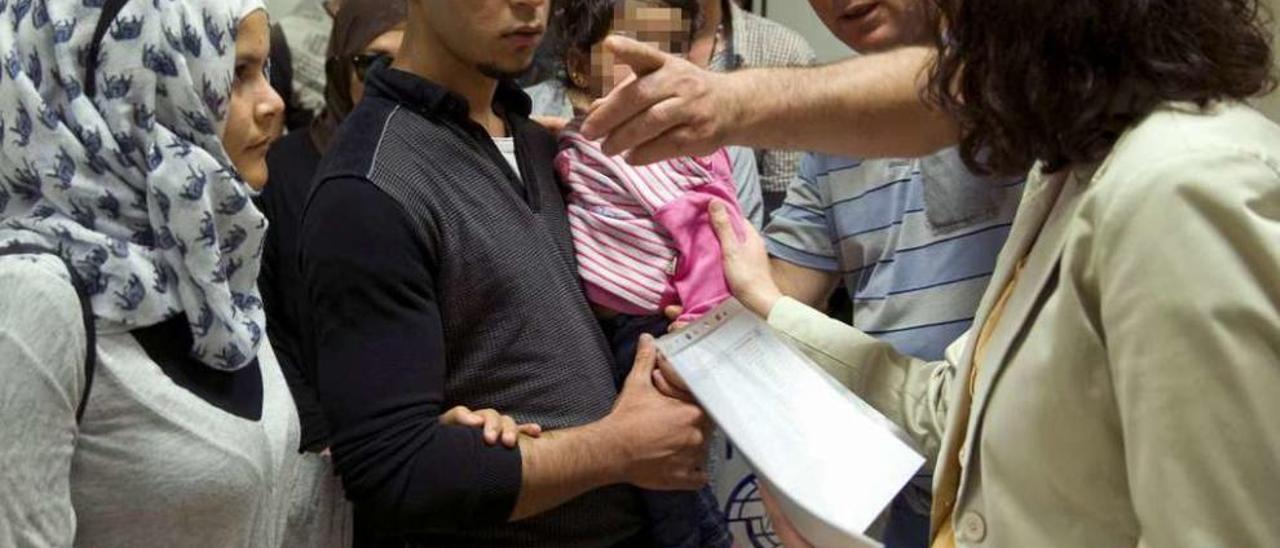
(280, 8)
(797, 15)
(1271, 105)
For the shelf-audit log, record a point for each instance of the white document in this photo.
(832, 461)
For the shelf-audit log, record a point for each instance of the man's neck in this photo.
(420, 54)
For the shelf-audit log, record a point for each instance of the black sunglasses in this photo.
(362, 62)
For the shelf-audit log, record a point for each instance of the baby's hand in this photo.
(496, 426)
(554, 124)
(673, 313)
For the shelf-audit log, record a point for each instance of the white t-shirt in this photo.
(507, 146)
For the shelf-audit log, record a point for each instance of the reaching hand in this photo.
(673, 314)
(746, 263)
(497, 427)
(672, 108)
(554, 124)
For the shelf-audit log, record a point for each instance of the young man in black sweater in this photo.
(440, 272)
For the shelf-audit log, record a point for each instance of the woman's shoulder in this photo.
(37, 281)
(1176, 134)
(1223, 148)
(40, 311)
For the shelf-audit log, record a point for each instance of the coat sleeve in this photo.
(1190, 308)
(912, 393)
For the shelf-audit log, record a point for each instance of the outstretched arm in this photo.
(867, 106)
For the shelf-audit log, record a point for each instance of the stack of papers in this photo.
(833, 462)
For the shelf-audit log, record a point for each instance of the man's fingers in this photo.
(646, 360)
(642, 58)
(670, 389)
(679, 141)
(619, 107)
(669, 377)
(641, 129)
(630, 97)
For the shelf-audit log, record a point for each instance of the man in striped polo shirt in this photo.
(914, 240)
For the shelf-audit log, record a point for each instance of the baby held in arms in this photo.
(642, 235)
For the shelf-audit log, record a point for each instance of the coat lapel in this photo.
(1043, 251)
(1037, 204)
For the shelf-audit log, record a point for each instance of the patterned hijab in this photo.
(132, 186)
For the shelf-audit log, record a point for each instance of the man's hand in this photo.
(673, 107)
(663, 440)
(668, 381)
(497, 427)
(746, 263)
(868, 106)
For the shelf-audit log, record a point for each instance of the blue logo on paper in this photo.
(746, 508)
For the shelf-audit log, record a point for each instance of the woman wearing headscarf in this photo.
(140, 403)
(364, 31)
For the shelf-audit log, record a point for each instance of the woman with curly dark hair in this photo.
(1118, 386)
(1060, 82)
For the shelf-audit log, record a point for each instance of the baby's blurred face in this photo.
(647, 21)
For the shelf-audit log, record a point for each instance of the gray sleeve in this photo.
(746, 177)
(42, 349)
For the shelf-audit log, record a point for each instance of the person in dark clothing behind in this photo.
(363, 31)
(439, 270)
(280, 73)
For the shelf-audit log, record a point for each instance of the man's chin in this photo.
(504, 73)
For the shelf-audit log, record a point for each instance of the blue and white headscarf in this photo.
(133, 187)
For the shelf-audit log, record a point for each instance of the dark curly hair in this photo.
(1059, 81)
(581, 24)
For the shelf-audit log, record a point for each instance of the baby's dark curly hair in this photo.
(581, 24)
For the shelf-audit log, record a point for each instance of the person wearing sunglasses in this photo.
(365, 32)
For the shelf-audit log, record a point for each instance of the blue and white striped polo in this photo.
(916, 240)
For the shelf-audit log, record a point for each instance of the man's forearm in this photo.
(868, 106)
(563, 464)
